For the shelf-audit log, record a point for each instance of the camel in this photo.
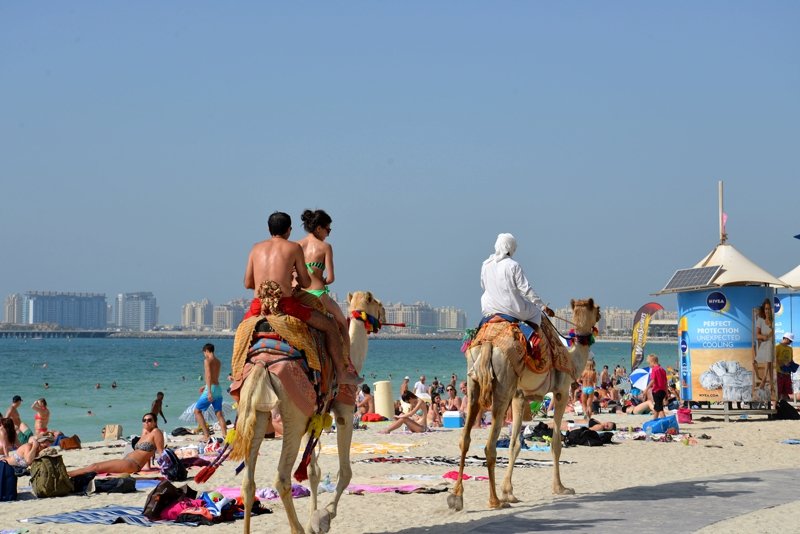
(256, 396)
(496, 383)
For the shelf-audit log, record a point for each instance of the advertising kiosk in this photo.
(787, 315)
(719, 302)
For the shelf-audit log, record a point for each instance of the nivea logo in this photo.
(776, 306)
(684, 345)
(716, 301)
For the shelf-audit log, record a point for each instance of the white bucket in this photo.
(384, 405)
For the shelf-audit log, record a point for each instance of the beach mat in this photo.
(108, 515)
(472, 461)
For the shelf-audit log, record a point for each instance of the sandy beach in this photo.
(738, 447)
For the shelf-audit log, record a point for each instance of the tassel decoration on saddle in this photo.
(316, 425)
(205, 473)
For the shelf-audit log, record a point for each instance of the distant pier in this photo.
(52, 334)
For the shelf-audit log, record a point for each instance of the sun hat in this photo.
(406, 378)
(789, 336)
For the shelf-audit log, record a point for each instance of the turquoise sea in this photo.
(142, 367)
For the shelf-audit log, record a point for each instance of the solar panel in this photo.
(687, 279)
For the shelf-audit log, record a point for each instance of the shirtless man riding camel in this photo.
(277, 259)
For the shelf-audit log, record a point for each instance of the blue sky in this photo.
(145, 143)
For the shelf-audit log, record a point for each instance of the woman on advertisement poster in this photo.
(764, 343)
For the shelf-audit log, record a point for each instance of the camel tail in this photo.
(252, 390)
(484, 372)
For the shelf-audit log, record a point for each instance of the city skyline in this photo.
(596, 134)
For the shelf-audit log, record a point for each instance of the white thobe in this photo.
(506, 290)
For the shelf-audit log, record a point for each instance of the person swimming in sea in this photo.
(150, 443)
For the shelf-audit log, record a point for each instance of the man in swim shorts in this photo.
(275, 260)
(211, 393)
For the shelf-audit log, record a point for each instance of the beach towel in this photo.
(472, 461)
(107, 515)
(372, 448)
(453, 475)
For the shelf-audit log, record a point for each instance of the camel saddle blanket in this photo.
(507, 336)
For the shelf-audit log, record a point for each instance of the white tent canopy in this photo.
(737, 269)
(792, 278)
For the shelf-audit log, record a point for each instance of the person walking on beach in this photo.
(783, 357)
(42, 416)
(420, 388)
(273, 260)
(506, 290)
(211, 393)
(657, 385)
(588, 380)
(157, 406)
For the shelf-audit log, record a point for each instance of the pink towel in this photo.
(453, 475)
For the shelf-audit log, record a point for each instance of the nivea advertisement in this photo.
(717, 342)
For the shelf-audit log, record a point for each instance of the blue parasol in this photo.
(640, 377)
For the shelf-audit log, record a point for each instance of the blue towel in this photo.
(791, 441)
(146, 483)
(108, 515)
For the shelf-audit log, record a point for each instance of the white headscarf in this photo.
(504, 247)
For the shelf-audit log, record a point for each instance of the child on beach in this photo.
(157, 408)
(588, 380)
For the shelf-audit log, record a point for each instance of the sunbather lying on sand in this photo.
(150, 444)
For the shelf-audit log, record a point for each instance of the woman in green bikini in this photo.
(319, 260)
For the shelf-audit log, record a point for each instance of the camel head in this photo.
(364, 301)
(585, 314)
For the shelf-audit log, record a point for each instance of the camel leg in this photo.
(248, 482)
(456, 499)
(294, 427)
(321, 520)
(499, 409)
(560, 398)
(314, 476)
(517, 405)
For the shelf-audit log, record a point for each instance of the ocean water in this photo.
(142, 367)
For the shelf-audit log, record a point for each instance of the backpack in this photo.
(171, 466)
(49, 477)
(8, 482)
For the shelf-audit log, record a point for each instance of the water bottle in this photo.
(649, 433)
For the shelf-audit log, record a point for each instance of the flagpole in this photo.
(722, 236)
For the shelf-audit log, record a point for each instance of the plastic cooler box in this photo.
(452, 419)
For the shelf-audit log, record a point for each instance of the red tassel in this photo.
(301, 473)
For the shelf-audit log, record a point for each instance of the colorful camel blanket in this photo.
(508, 337)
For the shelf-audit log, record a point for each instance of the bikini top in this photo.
(146, 446)
(311, 264)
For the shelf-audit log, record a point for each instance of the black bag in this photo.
(171, 466)
(8, 482)
(81, 482)
(163, 496)
(115, 485)
(786, 411)
(583, 436)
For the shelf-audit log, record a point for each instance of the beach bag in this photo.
(164, 495)
(115, 485)
(583, 436)
(49, 477)
(171, 466)
(8, 482)
(684, 415)
(786, 411)
(70, 443)
(112, 432)
(661, 425)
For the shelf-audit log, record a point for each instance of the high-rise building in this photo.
(137, 311)
(228, 316)
(421, 318)
(71, 310)
(197, 315)
(15, 309)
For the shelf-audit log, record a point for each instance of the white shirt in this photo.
(506, 290)
(420, 388)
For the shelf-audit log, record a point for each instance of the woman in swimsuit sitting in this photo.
(415, 419)
(27, 453)
(319, 258)
(150, 444)
(453, 403)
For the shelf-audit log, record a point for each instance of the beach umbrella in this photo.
(640, 377)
